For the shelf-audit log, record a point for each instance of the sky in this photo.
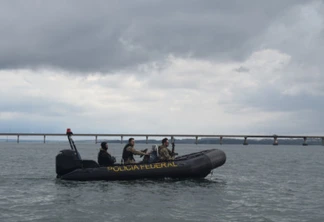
(153, 66)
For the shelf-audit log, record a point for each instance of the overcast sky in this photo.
(157, 66)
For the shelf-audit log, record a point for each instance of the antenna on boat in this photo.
(172, 142)
(72, 145)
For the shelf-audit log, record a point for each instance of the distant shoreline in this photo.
(185, 141)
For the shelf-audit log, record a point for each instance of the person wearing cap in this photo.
(129, 152)
(163, 151)
(104, 158)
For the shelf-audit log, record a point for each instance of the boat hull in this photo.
(194, 165)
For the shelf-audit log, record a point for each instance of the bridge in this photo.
(172, 136)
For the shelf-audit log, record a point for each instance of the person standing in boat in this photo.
(164, 152)
(104, 158)
(129, 151)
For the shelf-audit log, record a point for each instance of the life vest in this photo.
(127, 154)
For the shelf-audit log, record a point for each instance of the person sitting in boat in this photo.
(154, 156)
(104, 158)
(129, 152)
(163, 151)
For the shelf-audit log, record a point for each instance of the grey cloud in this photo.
(304, 112)
(242, 69)
(108, 35)
(31, 125)
(298, 122)
(270, 100)
(39, 106)
(299, 33)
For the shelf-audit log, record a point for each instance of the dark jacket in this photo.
(105, 159)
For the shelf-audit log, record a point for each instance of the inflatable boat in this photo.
(70, 166)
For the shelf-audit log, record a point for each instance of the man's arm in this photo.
(108, 158)
(169, 151)
(132, 149)
(112, 159)
(165, 154)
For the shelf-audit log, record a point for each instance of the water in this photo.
(257, 183)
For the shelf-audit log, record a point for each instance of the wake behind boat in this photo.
(70, 166)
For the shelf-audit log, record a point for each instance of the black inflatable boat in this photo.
(70, 166)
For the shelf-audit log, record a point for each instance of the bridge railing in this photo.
(171, 136)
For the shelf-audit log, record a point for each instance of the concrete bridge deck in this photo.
(171, 136)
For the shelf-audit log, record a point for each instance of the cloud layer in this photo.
(108, 35)
(157, 67)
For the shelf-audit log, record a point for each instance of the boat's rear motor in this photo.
(67, 161)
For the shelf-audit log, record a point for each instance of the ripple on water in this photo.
(257, 183)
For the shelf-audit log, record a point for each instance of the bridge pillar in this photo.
(44, 138)
(196, 140)
(17, 138)
(322, 141)
(146, 139)
(221, 140)
(245, 141)
(96, 140)
(121, 139)
(172, 139)
(275, 141)
(305, 141)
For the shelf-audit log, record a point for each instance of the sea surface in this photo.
(257, 183)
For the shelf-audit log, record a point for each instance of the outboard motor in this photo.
(66, 162)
